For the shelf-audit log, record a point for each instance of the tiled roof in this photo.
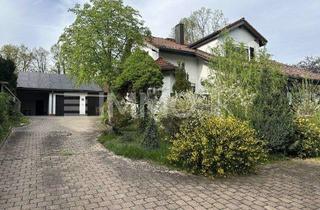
(296, 72)
(171, 45)
(165, 65)
(36, 80)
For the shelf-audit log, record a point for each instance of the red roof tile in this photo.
(296, 72)
(171, 45)
(165, 65)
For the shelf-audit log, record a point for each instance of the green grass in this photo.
(128, 145)
(273, 158)
(4, 131)
(24, 121)
(15, 121)
(66, 153)
(317, 159)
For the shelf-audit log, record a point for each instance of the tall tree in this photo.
(7, 73)
(99, 40)
(140, 72)
(20, 55)
(201, 23)
(25, 59)
(310, 63)
(40, 59)
(10, 52)
(102, 35)
(58, 60)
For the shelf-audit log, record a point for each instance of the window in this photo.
(251, 53)
(193, 87)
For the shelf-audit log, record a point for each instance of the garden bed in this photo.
(127, 143)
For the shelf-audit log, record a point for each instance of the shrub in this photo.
(4, 108)
(270, 113)
(252, 90)
(127, 137)
(304, 98)
(121, 118)
(151, 138)
(143, 123)
(182, 84)
(4, 114)
(306, 142)
(7, 73)
(180, 108)
(217, 146)
(316, 118)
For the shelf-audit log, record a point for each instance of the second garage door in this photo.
(71, 105)
(67, 105)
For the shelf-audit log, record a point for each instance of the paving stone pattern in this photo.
(56, 163)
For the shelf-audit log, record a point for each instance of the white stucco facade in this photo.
(151, 50)
(196, 67)
(239, 35)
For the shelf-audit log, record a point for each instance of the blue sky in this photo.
(291, 27)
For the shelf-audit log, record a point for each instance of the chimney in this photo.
(179, 33)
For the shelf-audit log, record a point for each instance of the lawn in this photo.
(127, 143)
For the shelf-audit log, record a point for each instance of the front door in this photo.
(93, 106)
(59, 105)
(39, 107)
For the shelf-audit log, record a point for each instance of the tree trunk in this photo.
(110, 110)
(109, 107)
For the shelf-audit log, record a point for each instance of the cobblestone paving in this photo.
(56, 163)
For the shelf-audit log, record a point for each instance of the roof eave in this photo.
(58, 90)
(194, 54)
(242, 22)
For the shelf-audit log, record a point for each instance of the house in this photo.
(56, 94)
(168, 53)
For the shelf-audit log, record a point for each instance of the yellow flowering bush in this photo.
(307, 139)
(217, 146)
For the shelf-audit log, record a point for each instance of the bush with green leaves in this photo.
(4, 108)
(151, 137)
(271, 115)
(121, 117)
(316, 118)
(217, 146)
(182, 83)
(180, 108)
(140, 72)
(306, 141)
(4, 113)
(253, 90)
(305, 100)
(7, 73)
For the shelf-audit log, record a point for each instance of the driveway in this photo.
(56, 163)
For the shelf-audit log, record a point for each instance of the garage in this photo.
(35, 102)
(67, 105)
(57, 95)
